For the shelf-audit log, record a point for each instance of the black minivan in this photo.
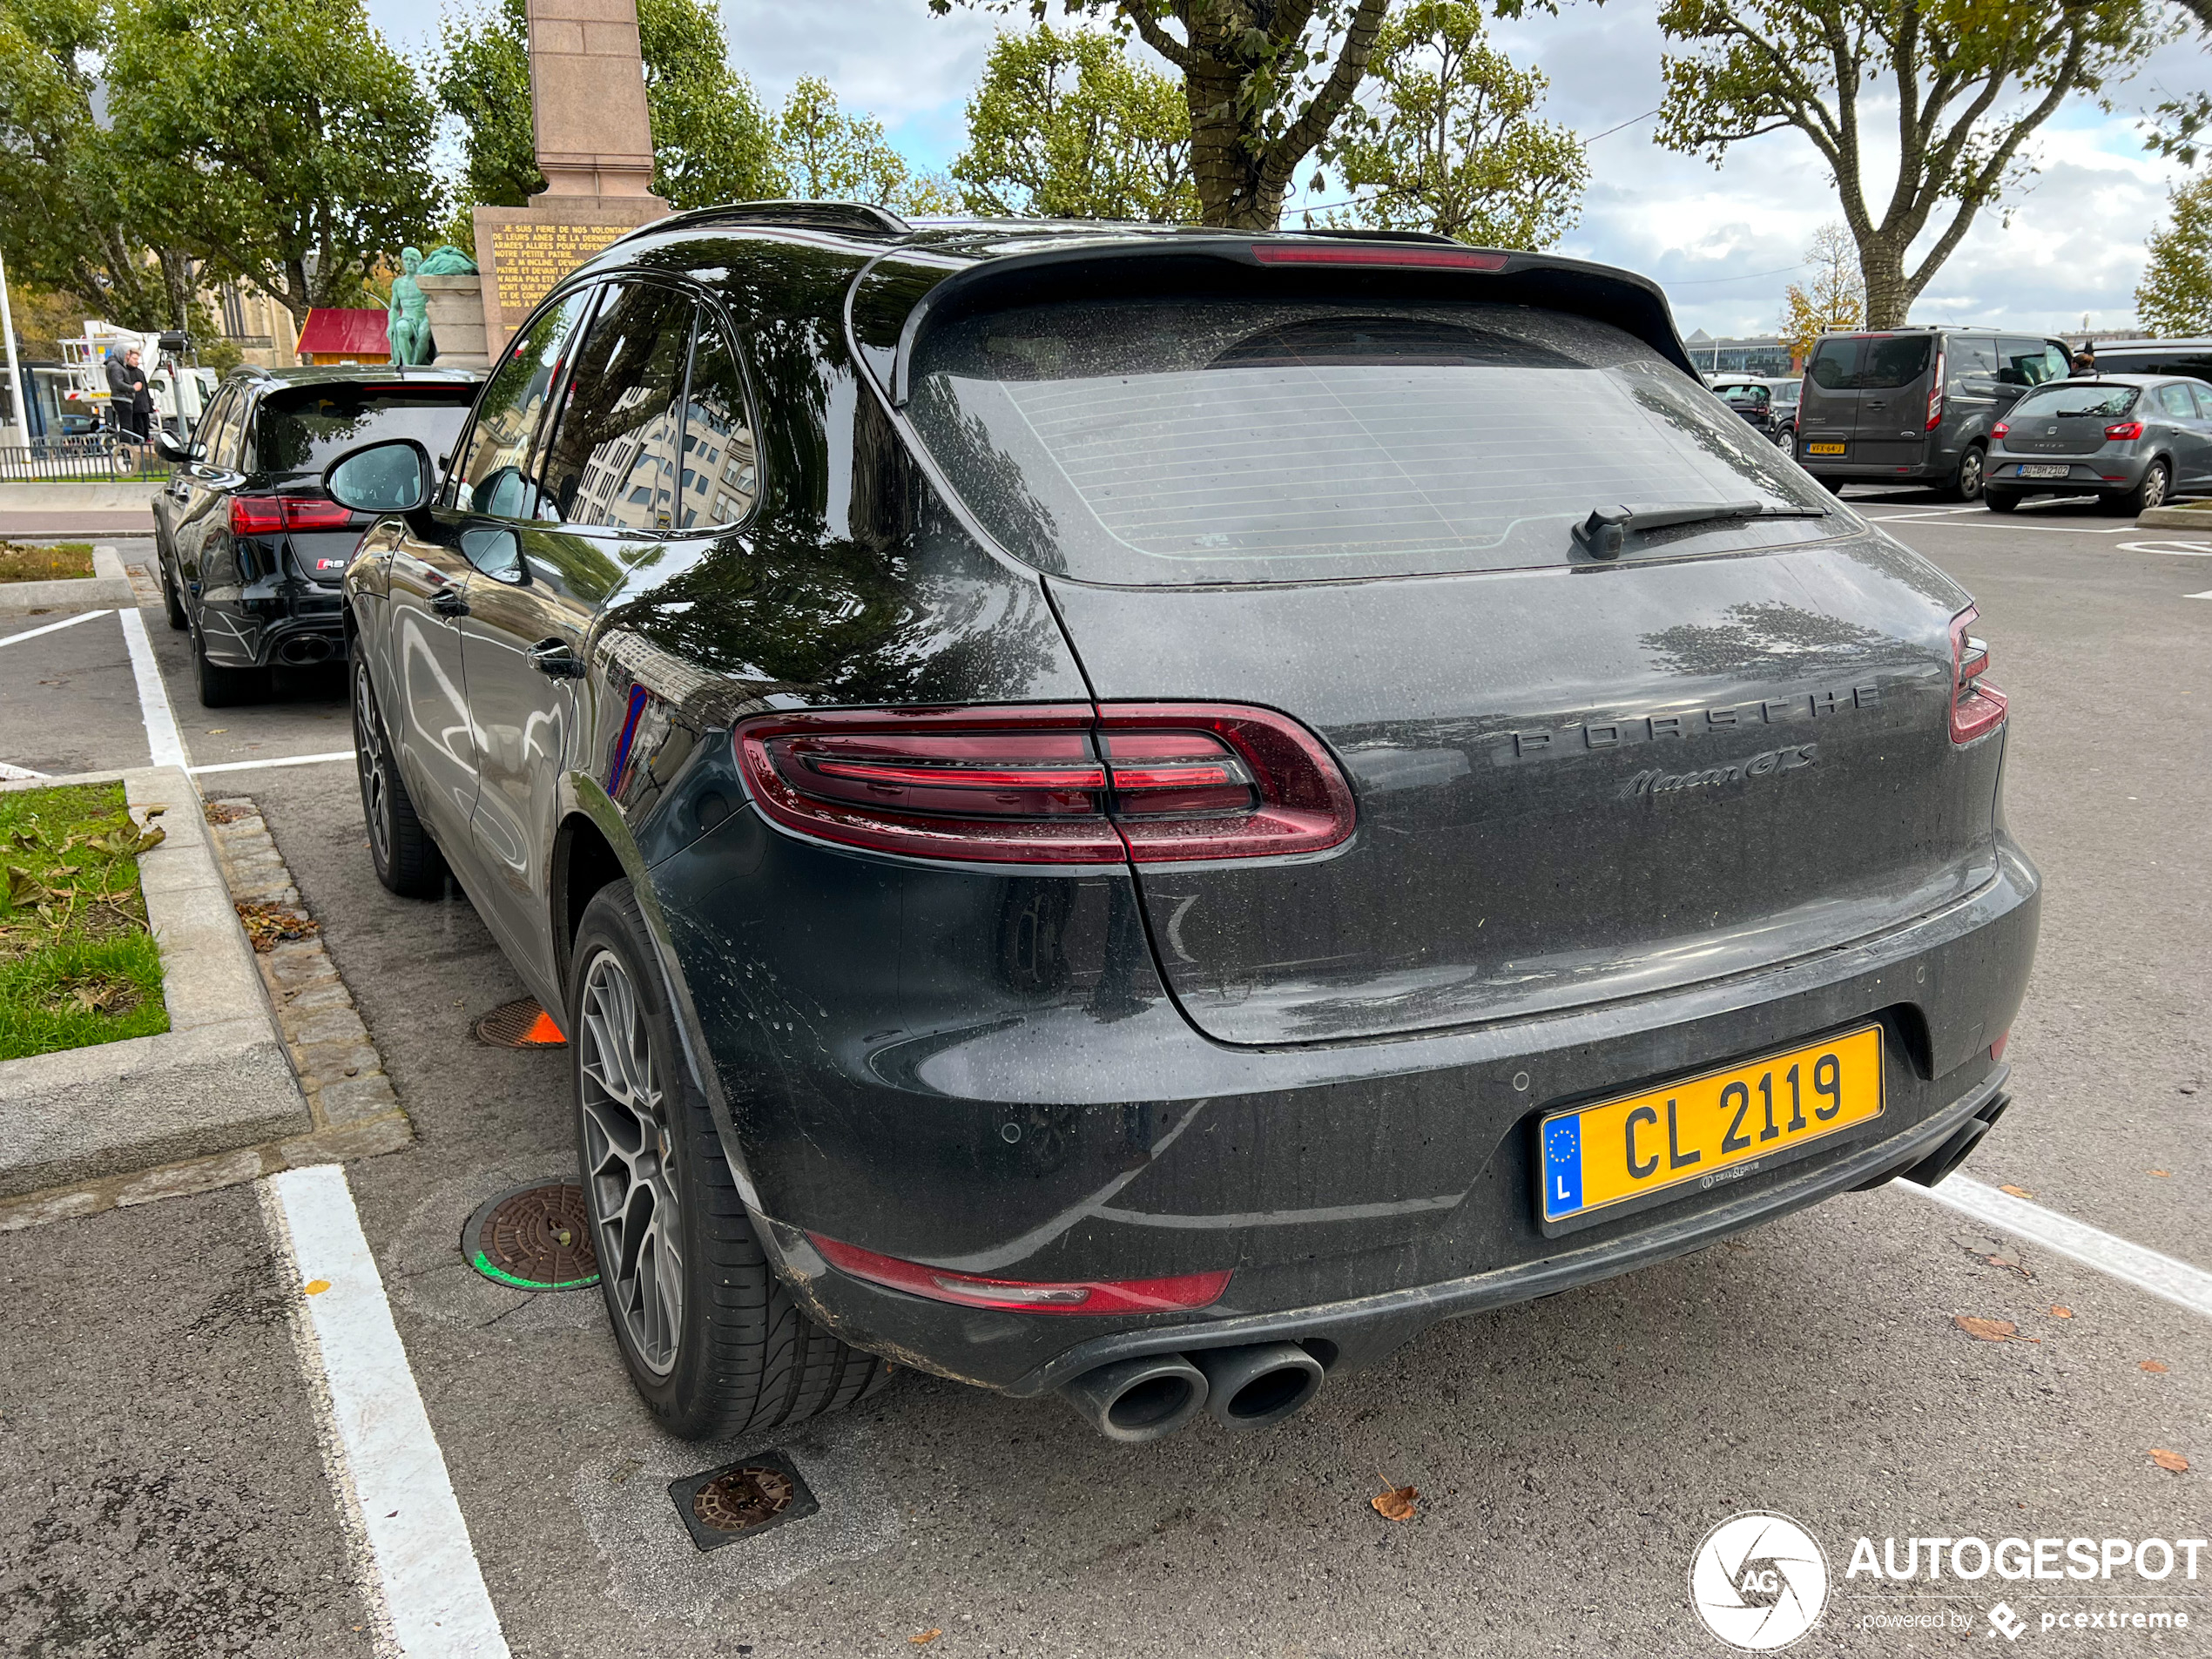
(1915, 405)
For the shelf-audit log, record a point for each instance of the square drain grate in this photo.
(742, 1499)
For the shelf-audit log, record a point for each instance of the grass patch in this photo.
(63, 561)
(77, 964)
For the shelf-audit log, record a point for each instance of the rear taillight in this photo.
(1183, 1292)
(273, 515)
(2125, 429)
(1935, 396)
(2000, 429)
(1977, 707)
(1997, 1049)
(1050, 784)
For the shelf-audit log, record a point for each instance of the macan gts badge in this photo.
(1144, 813)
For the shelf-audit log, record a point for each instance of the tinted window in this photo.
(218, 433)
(1968, 359)
(612, 459)
(2106, 402)
(304, 428)
(1898, 360)
(1223, 440)
(721, 468)
(1835, 365)
(2029, 362)
(2156, 362)
(1787, 392)
(493, 476)
(2177, 402)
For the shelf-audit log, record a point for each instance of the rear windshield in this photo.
(1220, 440)
(1869, 362)
(2072, 397)
(305, 428)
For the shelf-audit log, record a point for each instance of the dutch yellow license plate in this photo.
(1824, 449)
(1719, 1126)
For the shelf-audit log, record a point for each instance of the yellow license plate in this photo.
(1824, 449)
(1719, 1126)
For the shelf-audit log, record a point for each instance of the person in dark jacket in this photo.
(132, 409)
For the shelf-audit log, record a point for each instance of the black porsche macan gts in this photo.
(1149, 812)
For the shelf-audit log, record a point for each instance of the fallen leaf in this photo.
(316, 1286)
(2161, 1172)
(1986, 1330)
(2151, 1364)
(2172, 1462)
(926, 1637)
(2018, 1192)
(2058, 1312)
(1397, 1504)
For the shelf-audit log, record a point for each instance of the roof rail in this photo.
(858, 216)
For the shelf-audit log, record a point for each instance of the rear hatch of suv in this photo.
(1576, 777)
(299, 430)
(1867, 400)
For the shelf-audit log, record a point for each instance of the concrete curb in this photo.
(2198, 518)
(94, 495)
(217, 1080)
(109, 585)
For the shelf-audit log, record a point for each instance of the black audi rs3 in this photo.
(1147, 812)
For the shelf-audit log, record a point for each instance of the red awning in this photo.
(346, 333)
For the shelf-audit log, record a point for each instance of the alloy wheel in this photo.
(1970, 466)
(2155, 487)
(369, 762)
(626, 1163)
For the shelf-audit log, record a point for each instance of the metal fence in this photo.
(103, 457)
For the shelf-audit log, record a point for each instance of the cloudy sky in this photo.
(1724, 243)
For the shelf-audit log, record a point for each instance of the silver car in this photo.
(2132, 441)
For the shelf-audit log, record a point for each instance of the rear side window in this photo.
(613, 458)
(1972, 360)
(1222, 439)
(1835, 365)
(304, 428)
(2074, 399)
(2177, 402)
(721, 465)
(1897, 361)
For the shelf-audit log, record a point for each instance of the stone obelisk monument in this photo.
(595, 146)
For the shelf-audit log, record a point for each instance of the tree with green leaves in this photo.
(1449, 139)
(1264, 82)
(69, 222)
(2175, 296)
(821, 153)
(282, 141)
(1063, 125)
(1969, 80)
(711, 140)
(1832, 301)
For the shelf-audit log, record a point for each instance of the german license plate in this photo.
(1717, 1127)
(1824, 449)
(2045, 472)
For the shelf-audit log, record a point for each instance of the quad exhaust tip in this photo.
(1137, 1401)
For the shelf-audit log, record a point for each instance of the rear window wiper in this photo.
(1606, 530)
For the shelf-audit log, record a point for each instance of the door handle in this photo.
(553, 658)
(448, 602)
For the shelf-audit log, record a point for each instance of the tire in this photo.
(713, 1342)
(1968, 483)
(172, 601)
(407, 861)
(2001, 501)
(224, 688)
(2151, 491)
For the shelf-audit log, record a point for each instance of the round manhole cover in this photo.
(520, 1024)
(536, 1237)
(743, 1499)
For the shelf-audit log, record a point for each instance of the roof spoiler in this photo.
(886, 323)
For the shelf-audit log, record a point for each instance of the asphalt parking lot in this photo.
(163, 1489)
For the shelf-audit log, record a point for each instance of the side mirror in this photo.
(169, 449)
(394, 476)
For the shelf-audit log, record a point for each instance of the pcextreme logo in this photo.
(1758, 1581)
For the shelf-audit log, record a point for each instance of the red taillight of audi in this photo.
(273, 515)
(2123, 430)
(1179, 1293)
(1977, 707)
(1050, 784)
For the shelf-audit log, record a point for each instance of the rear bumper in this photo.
(982, 1071)
(2105, 474)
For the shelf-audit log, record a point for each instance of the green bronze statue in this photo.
(406, 325)
(445, 260)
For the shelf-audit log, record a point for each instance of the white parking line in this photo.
(280, 760)
(162, 740)
(2206, 595)
(2147, 1270)
(427, 1590)
(52, 627)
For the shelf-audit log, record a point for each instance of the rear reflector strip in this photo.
(1180, 1293)
(1456, 259)
(1050, 784)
